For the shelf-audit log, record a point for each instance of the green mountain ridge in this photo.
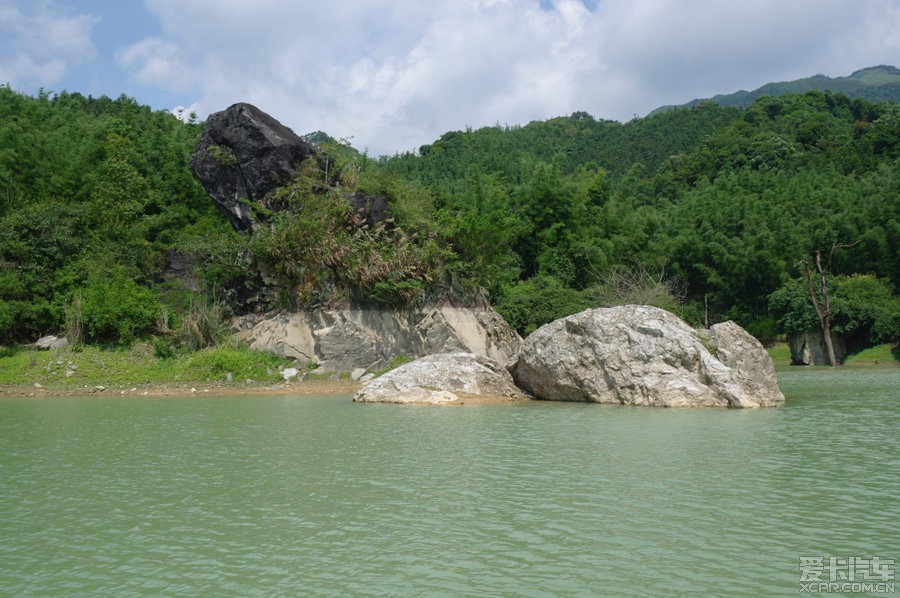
(876, 84)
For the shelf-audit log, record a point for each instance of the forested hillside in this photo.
(94, 192)
(705, 210)
(710, 208)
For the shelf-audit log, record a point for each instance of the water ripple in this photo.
(261, 496)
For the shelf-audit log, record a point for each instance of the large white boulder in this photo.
(641, 355)
(441, 379)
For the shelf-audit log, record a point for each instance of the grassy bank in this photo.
(88, 367)
(887, 354)
(879, 355)
(780, 353)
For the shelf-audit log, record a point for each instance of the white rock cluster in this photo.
(441, 379)
(640, 355)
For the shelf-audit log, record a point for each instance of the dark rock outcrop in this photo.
(369, 210)
(181, 271)
(243, 155)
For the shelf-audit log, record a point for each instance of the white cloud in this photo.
(673, 51)
(186, 114)
(872, 36)
(23, 68)
(39, 45)
(395, 74)
(156, 62)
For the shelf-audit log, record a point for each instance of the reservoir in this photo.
(298, 495)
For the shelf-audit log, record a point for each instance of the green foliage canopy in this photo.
(95, 195)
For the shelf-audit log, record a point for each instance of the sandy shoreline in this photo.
(309, 387)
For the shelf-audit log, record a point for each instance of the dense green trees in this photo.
(724, 202)
(93, 194)
(705, 211)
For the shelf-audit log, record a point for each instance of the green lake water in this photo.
(291, 495)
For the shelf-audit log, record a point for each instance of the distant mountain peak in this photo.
(875, 83)
(880, 71)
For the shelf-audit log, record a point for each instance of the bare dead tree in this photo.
(823, 305)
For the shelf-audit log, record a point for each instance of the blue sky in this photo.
(392, 75)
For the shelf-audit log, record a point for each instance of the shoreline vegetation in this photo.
(136, 371)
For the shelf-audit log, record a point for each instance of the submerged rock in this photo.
(640, 355)
(442, 379)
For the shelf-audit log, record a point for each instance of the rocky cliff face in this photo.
(639, 355)
(242, 157)
(341, 339)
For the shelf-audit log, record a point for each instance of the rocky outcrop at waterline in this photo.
(442, 379)
(632, 355)
(640, 355)
(242, 159)
(345, 338)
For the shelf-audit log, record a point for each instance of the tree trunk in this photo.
(822, 311)
(829, 343)
(826, 312)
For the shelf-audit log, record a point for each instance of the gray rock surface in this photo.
(640, 355)
(442, 379)
(343, 339)
(808, 348)
(51, 342)
(288, 373)
(741, 351)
